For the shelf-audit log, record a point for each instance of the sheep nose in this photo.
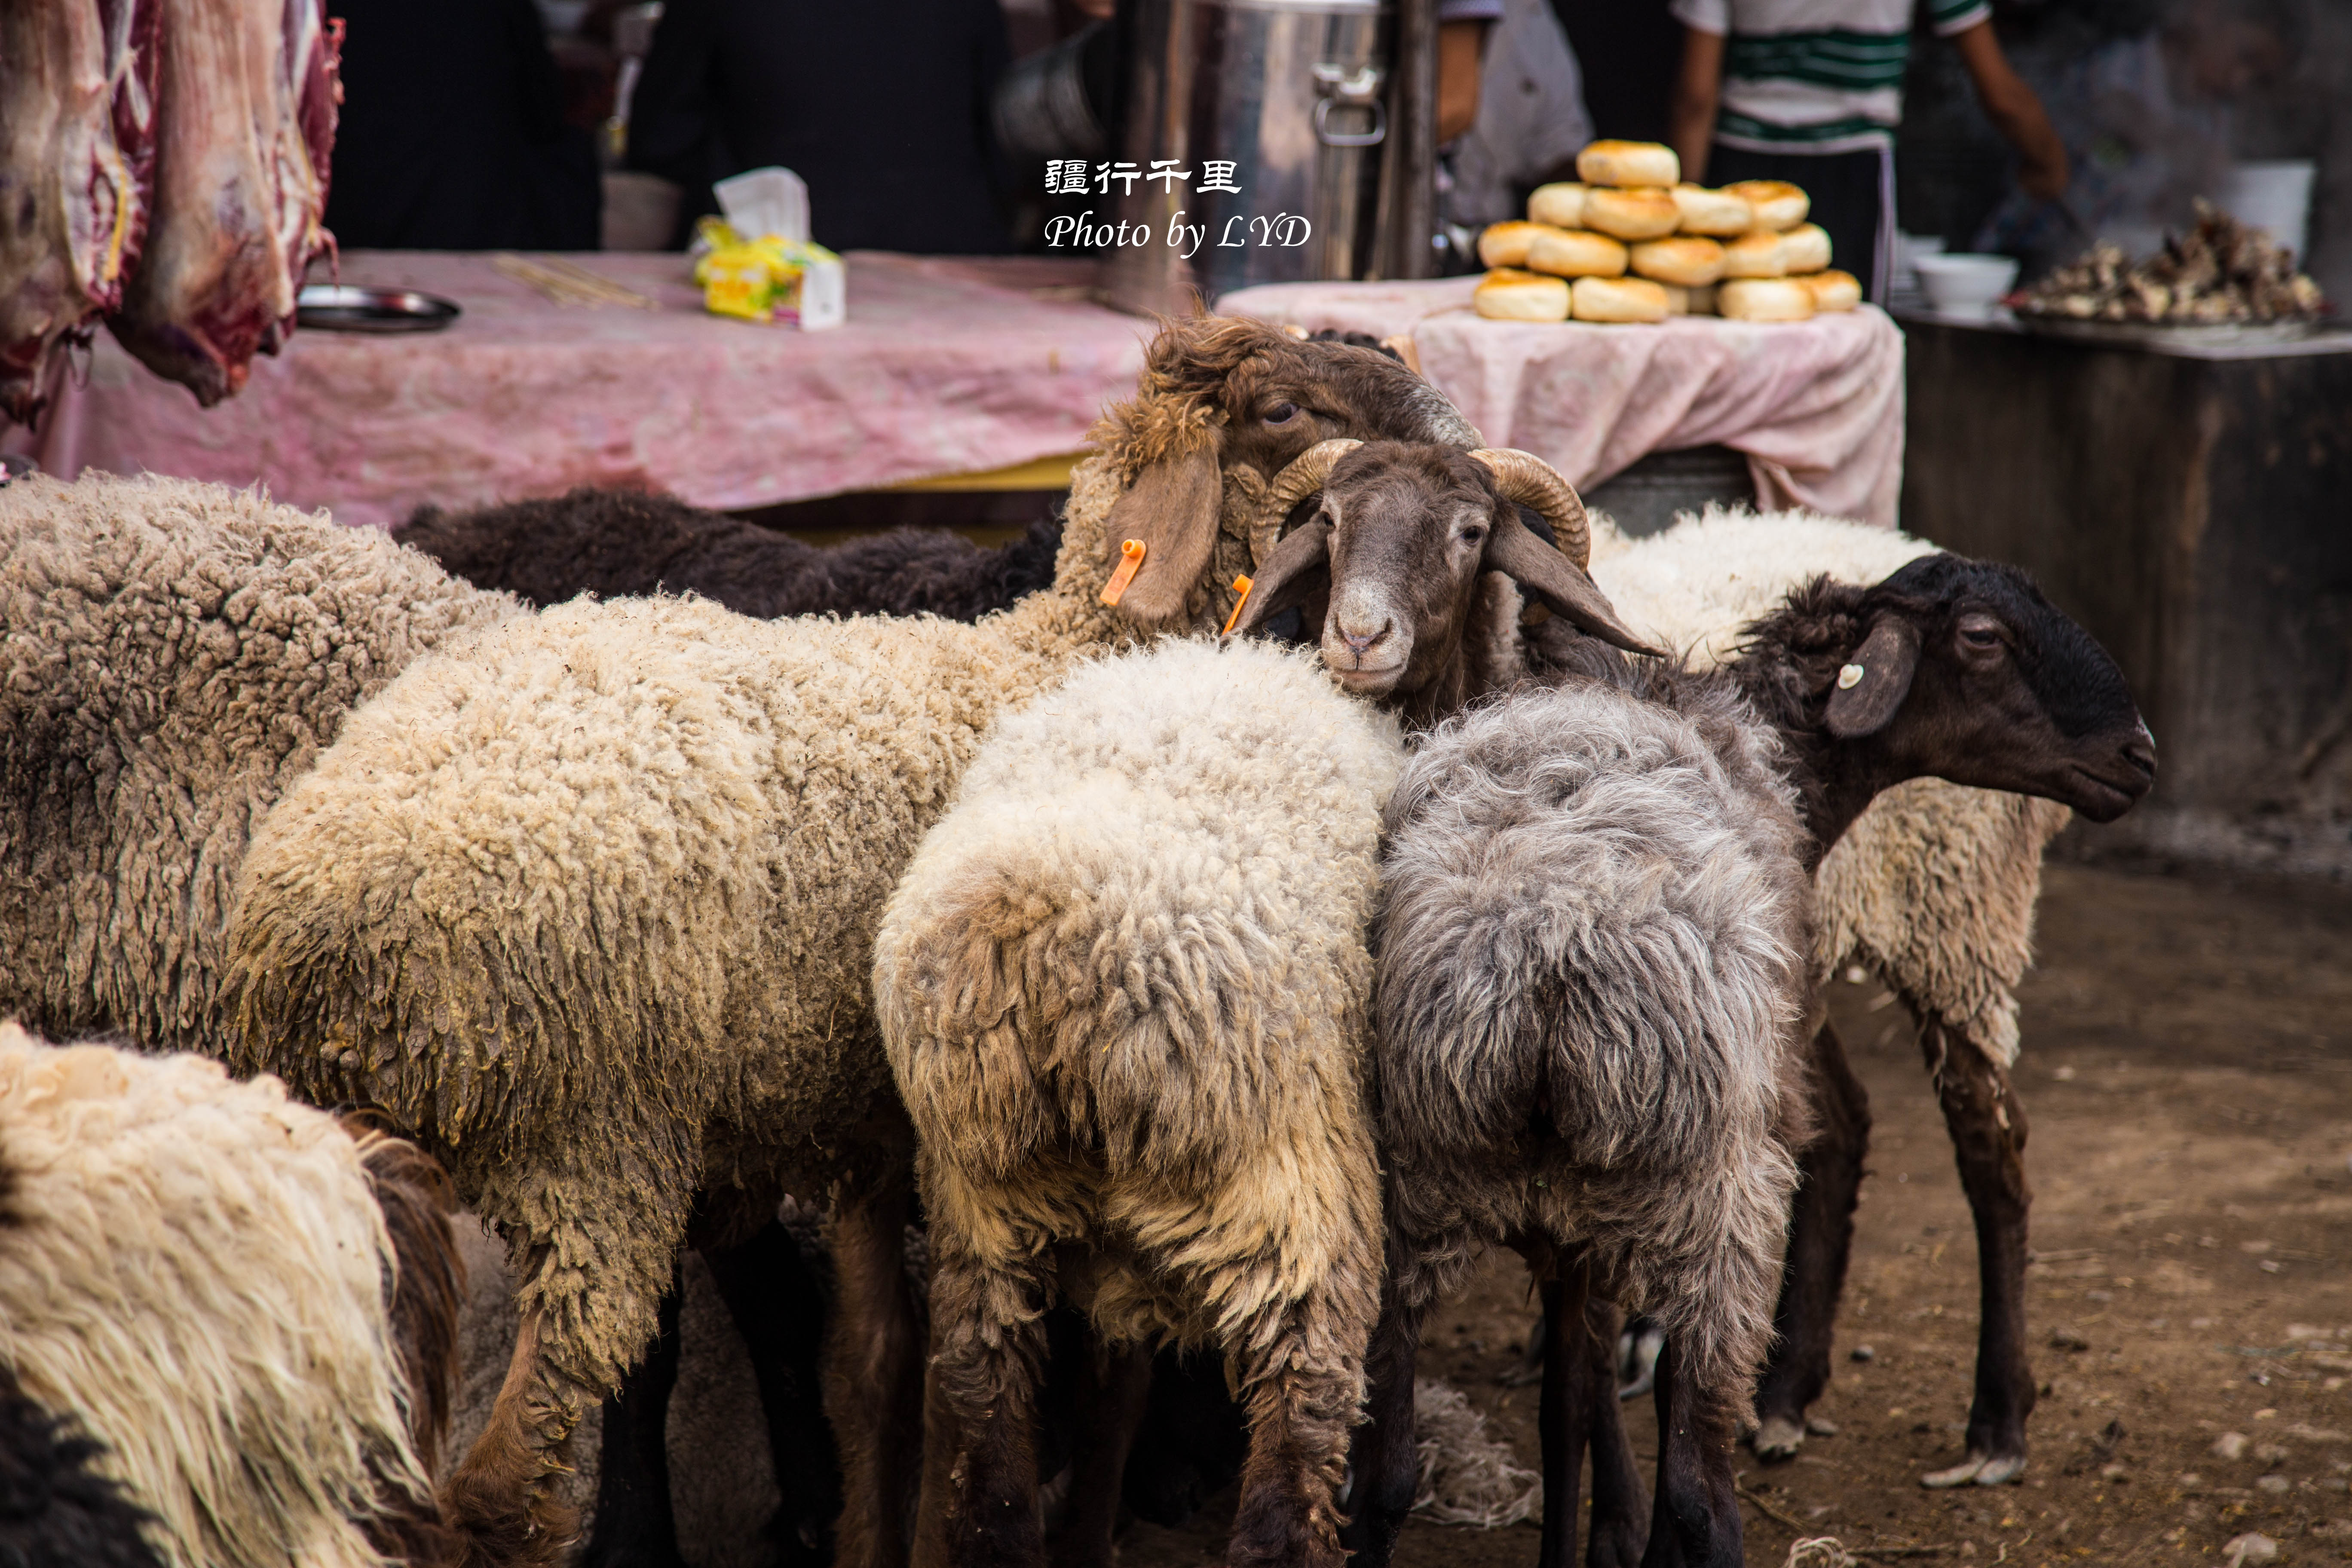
(2140, 752)
(1361, 644)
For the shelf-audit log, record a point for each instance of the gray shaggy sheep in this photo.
(615, 544)
(251, 1304)
(619, 866)
(171, 656)
(1593, 931)
(1122, 986)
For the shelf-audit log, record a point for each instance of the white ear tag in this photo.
(1849, 677)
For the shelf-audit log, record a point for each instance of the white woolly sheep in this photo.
(171, 656)
(251, 1304)
(619, 866)
(1122, 983)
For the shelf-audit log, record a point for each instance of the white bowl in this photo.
(1965, 286)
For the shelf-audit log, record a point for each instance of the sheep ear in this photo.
(1293, 571)
(1876, 679)
(1558, 582)
(1172, 508)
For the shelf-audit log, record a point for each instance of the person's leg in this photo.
(1849, 192)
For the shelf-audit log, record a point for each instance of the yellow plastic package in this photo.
(768, 278)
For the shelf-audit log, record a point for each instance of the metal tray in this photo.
(2171, 334)
(343, 308)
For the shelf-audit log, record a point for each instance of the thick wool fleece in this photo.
(196, 1269)
(1592, 979)
(1933, 888)
(171, 656)
(619, 866)
(1122, 983)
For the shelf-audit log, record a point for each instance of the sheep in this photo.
(1932, 891)
(57, 1509)
(616, 543)
(1951, 667)
(1076, 980)
(1592, 934)
(171, 656)
(619, 866)
(249, 1303)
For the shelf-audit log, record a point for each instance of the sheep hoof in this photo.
(1778, 1438)
(1979, 1470)
(2001, 1469)
(1959, 1475)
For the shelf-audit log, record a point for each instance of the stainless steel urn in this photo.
(1296, 97)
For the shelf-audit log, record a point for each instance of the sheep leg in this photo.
(778, 1306)
(873, 1369)
(503, 1494)
(1304, 1382)
(1384, 1457)
(1695, 1523)
(1820, 1238)
(1621, 1505)
(1116, 1381)
(989, 1355)
(1563, 1415)
(1987, 1126)
(635, 1522)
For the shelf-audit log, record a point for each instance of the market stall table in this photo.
(2181, 493)
(1817, 406)
(945, 366)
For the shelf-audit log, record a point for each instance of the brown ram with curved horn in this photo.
(1424, 620)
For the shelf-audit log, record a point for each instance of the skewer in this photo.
(568, 282)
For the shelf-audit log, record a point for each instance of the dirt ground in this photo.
(2188, 1073)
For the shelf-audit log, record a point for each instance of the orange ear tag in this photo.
(1132, 554)
(1244, 586)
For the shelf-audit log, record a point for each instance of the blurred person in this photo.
(881, 107)
(452, 134)
(1629, 51)
(1530, 123)
(1810, 91)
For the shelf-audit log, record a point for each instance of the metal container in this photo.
(1294, 95)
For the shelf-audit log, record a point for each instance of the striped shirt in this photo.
(1816, 75)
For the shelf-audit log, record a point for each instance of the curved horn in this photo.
(1306, 474)
(1555, 576)
(1524, 477)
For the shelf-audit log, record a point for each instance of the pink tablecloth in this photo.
(945, 366)
(1816, 405)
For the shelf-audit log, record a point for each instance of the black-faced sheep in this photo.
(250, 1304)
(619, 866)
(1931, 889)
(1948, 668)
(615, 544)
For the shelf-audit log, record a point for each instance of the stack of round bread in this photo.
(1745, 251)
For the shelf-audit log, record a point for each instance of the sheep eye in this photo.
(1981, 636)
(1474, 533)
(1281, 414)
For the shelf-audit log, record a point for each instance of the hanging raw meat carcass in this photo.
(76, 154)
(245, 121)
